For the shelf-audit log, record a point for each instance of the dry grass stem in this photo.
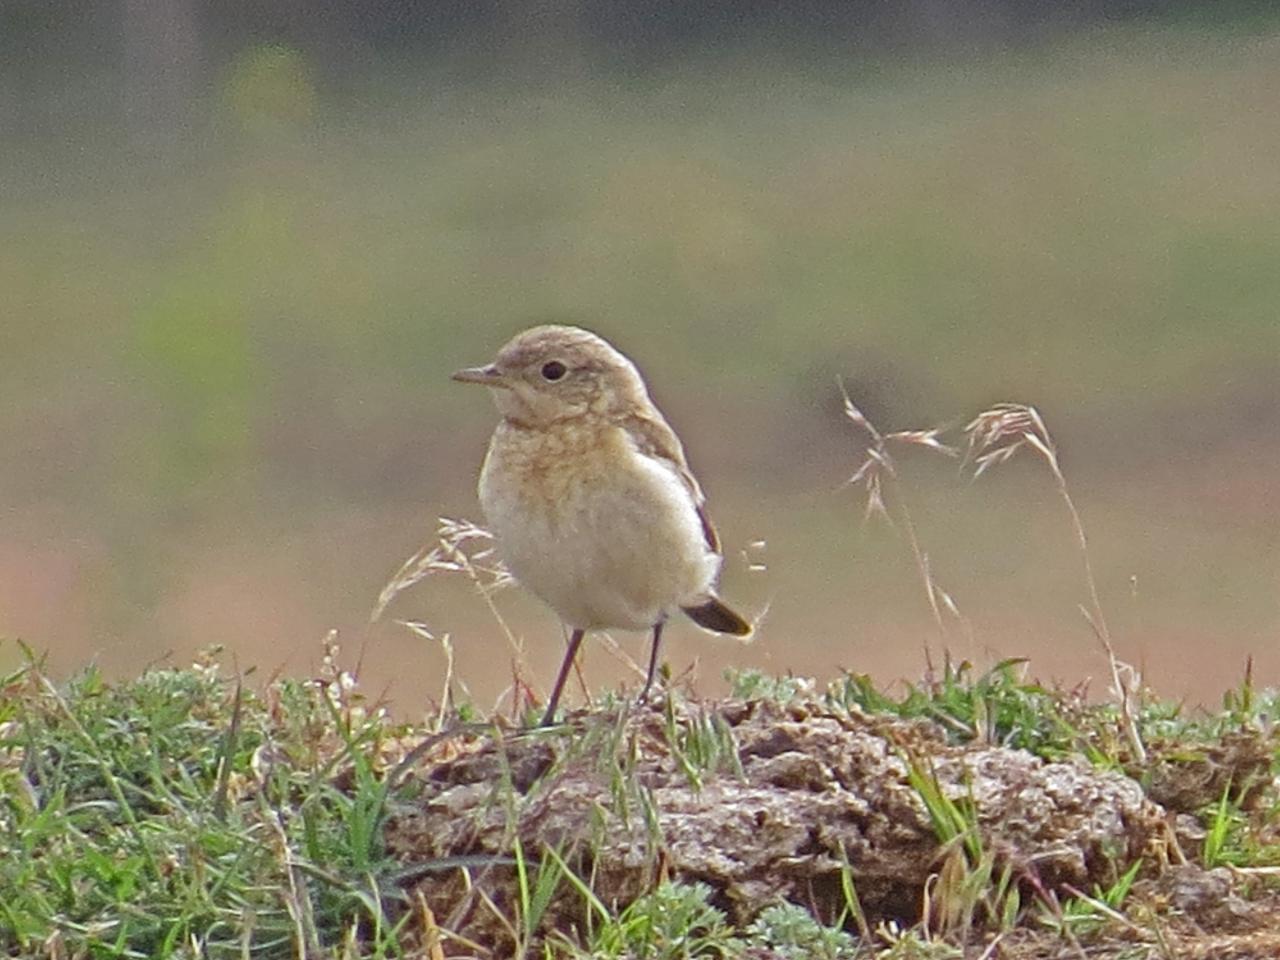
(420, 629)
(431, 932)
(877, 475)
(614, 649)
(995, 436)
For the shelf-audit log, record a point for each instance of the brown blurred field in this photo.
(225, 411)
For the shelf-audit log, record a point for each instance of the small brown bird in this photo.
(586, 488)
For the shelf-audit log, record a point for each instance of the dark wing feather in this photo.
(654, 438)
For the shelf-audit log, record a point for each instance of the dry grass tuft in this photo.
(466, 548)
(993, 437)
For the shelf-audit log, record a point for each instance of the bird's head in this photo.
(553, 373)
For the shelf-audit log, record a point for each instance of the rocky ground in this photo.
(878, 823)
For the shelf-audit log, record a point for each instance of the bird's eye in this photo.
(553, 370)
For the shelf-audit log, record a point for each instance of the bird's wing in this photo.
(654, 438)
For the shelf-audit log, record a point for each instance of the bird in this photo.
(590, 499)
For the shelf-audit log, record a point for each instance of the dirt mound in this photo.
(763, 802)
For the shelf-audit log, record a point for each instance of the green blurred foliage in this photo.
(269, 89)
(250, 331)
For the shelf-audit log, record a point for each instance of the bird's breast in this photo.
(546, 474)
(605, 535)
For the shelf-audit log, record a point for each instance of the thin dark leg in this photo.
(653, 659)
(575, 641)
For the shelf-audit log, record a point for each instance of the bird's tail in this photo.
(713, 614)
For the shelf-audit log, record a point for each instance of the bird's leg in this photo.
(575, 640)
(653, 659)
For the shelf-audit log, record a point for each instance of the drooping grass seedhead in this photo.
(460, 546)
(878, 467)
(1000, 431)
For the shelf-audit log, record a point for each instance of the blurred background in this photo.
(242, 246)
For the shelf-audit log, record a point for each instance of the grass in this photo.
(184, 814)
(181, 813)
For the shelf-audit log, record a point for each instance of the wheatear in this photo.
(586, 489)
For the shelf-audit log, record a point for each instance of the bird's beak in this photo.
(485, 376)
